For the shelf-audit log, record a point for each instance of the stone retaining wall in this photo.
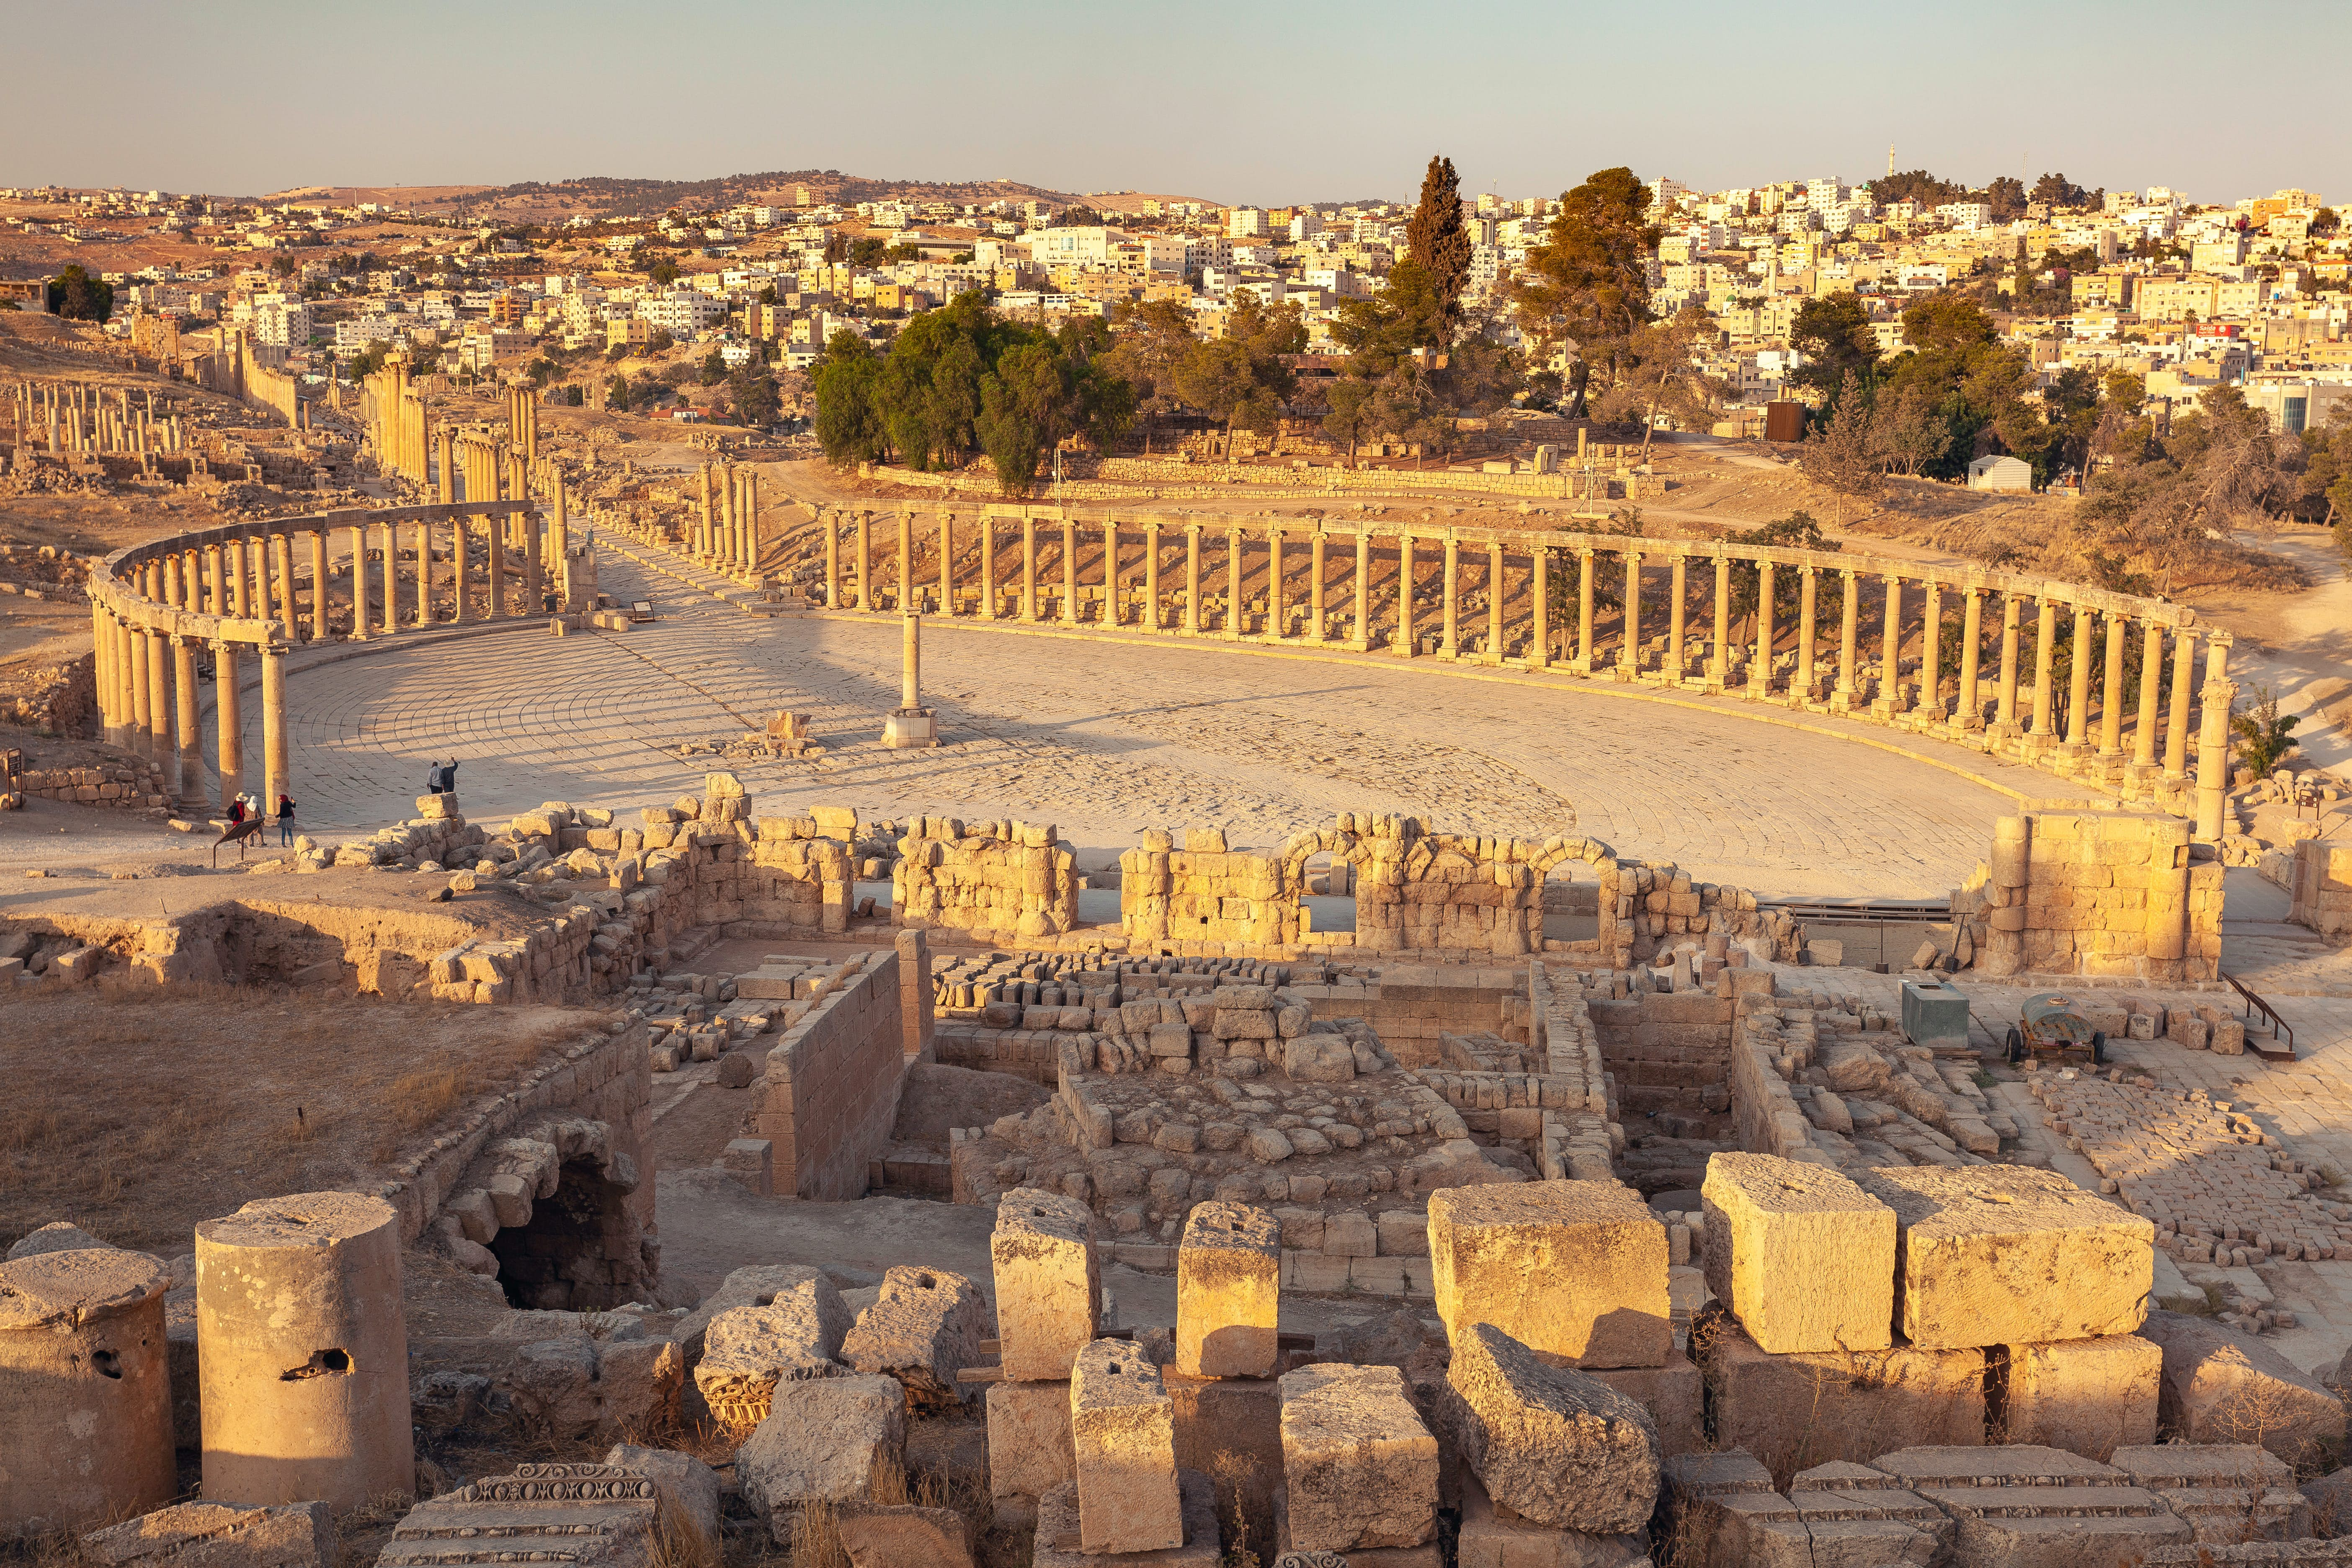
(830, 1095)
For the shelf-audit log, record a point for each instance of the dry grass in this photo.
(817, 1537)
(137, 1112)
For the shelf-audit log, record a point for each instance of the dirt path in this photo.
(2299, 645)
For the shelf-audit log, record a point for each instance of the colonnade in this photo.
(239, 592)
(66, 418)
(725, 537)
(1740, 630)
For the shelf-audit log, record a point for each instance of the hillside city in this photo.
(1782, 289)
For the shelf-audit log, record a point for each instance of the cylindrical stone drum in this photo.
(303, 1352)
(85, 1390)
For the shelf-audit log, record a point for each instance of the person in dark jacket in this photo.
(442, 778)
(284, 818)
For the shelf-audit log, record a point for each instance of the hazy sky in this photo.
(1259, 103)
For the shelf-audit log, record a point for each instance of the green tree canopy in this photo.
(1589, 283)
(1833, 332)
(77, 296)
(1436, 241)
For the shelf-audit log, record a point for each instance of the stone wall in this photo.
(1007, 881)
(2097, 893)
(830, 1095)
(122, 786)
(56, 699)
(2321, 886)
(1668, 1050)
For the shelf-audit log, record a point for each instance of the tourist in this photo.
(442, 778)
(284, 818)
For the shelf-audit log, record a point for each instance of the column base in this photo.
(910, 730)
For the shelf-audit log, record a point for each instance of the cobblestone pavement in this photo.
(1105, 738)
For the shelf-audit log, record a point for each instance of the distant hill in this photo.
(599, 196)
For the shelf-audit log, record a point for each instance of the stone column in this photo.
(1070, 570)
(865, 559)
(947, 563)
(1841, 696)
(560, 544)
(1404, 635)
(461, 547)
(1361, 641)
(1585, 652)
(2046, 653)
(423, 573)
(833, 559)
(1235, 607)
(1495, 600)
(1028, 568)
(1314, 587)
(1718, 669)
(1191, 579)
(2078, 693)
(275, 773)
(724, 556)
(1153, 620)
(447, 490)
(906, 563)
(1539, 598)
(144, 726)
(752, 522)
(495, 529)
(1971, 711)
(1808, 625)
(1628, 659)
(190, 737)
(702, 534)
(85, 1393)
(2213, 738)
(161, 746)
(390, 579)
(215, 602)
(303, 1352)
(1451, 585)
(1114, 613)
(2176, 717)
(1759, 674)
(2005, 705)
(242, 596)
(1277, 625)
(102, 671)
(2151, 685)
(228, 710)
(1890, 671)
(2111, 691)
(1931, 653)
(1676, 615)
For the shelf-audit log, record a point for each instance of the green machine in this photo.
(2051, 1026)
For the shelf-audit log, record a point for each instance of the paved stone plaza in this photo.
(1106, 737)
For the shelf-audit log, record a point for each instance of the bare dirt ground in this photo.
(137, 1112)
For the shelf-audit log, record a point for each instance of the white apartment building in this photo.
(681, 312)
(1245, 223)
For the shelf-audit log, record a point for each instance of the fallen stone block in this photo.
(1048, 1282)
(2010, 1254)
(2227, 1492)
(750, 1349)
(924, 1327)
(58, 1236)
(590, 1516)
(825, 1438)
(685, 1482)
(1553, 1446)
(1856, 1516)
(1057, 1538)
(1029, 1447)
(1674, 1394)
(1796, 1411)
(2088, 1396)
(1123, 1433)
(877, 1535)
(1721, 1511)
(2026, 1506)
(1228, 1290)
(219, 1535)
(1358, 1465)
(754, 1287)
(1492, 1537)
(1802, 1256)
(2223, 1386)
(1574, 1270)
